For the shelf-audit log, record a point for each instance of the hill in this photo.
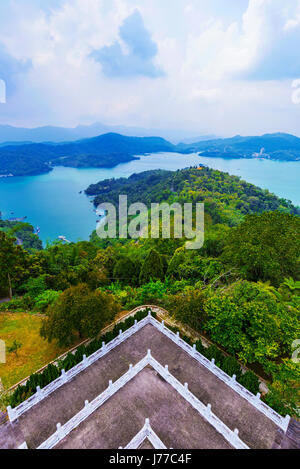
(49, 133)
(227, 198)
(109, 150)
(277, 146)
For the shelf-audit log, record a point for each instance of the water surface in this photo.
(52, 201)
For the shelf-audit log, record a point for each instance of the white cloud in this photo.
(225, 71)
(2, 92)
(133, 55)
(256, 46)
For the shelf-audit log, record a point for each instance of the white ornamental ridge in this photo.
(281, 422)
(146, 433)
(90, 407)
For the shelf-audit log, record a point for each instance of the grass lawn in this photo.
(34, 353)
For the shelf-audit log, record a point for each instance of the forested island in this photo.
(227, 198)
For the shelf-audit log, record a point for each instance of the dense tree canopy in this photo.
(78, 311)
(265, 247)
(241, 289)
(127, 271)
(153, 268)
(15, 265)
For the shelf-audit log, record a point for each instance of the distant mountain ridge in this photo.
(278, 146)
(10, 134)
(109, 150)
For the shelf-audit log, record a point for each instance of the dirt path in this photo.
(4, 300)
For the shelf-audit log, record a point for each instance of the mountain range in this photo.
(278, 146)
(10, 134)
(105, 151)
(111, 149)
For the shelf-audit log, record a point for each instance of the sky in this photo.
(222, 67)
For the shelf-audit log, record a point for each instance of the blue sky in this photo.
(219, 66)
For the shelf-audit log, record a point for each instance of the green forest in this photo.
(241, 290)
(23, 232)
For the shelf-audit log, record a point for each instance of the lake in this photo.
(52, 201)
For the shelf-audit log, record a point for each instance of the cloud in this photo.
(278, 38)
(10, 69)
(133, 56)
(227, 66)
(263, 45)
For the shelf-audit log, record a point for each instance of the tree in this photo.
(285, 388)
(152, 268)
(265, 247)
(214, 240)
(127, 271)
(251, 323)
(178, 259)
(105, 260)
(45, 299)
(78, 312)
(250, 381)
(152, 292)
(292, 285)
(188, 307)
(232, 367)
(192, 266)
(35, 286)
(289, 292)
(13, 263)
(99, 309)
(25, 233)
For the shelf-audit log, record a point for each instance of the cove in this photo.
(53, 201)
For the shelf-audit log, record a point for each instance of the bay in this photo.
(53, 201)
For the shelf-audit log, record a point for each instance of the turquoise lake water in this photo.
(52, 201)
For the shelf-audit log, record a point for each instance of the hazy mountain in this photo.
(61, 134)
(111, 149)
(203, 138)
(104, 151)
(277, 146)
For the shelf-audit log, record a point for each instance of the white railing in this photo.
(231, 436)
(23, 446)
(90, 407)
(65, 377)
(104, 331)
(281, 422)
(145, 433)
(63, 431)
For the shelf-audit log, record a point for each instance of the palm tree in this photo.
(291, 284)
(267, 288)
